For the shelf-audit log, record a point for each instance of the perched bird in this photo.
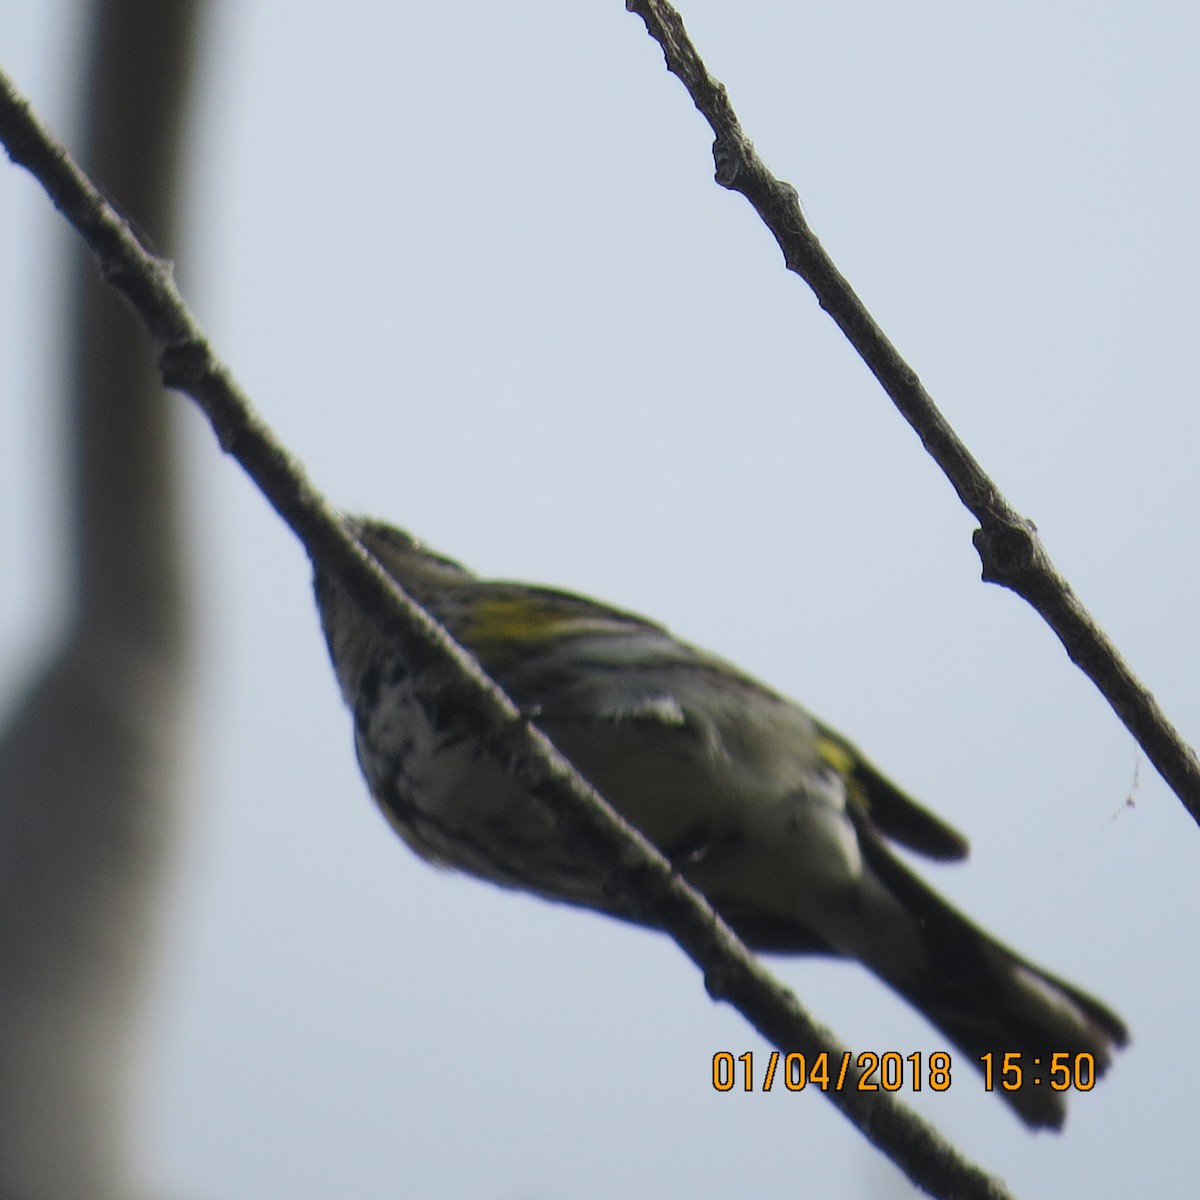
(779, 821)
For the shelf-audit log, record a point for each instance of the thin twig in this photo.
(1009, 547)
(731, 973)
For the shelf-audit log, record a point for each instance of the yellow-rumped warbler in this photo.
(778, 820)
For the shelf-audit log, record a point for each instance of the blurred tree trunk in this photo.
(87, 761)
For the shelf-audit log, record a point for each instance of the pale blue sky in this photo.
(471, 265)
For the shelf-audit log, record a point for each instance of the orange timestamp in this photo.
(872, 1072)
(1063, 1071)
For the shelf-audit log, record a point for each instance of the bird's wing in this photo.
(616, 669)
(876, 800)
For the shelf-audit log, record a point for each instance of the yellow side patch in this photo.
(520, 620)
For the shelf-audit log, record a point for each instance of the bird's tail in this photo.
(988, 1000)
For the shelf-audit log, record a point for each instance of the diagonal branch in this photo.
(1008, 544)
(731, 973)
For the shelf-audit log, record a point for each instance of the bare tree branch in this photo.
(1011, 551)
(731, 972)
(87, 760)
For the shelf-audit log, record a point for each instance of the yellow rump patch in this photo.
(841, 759)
